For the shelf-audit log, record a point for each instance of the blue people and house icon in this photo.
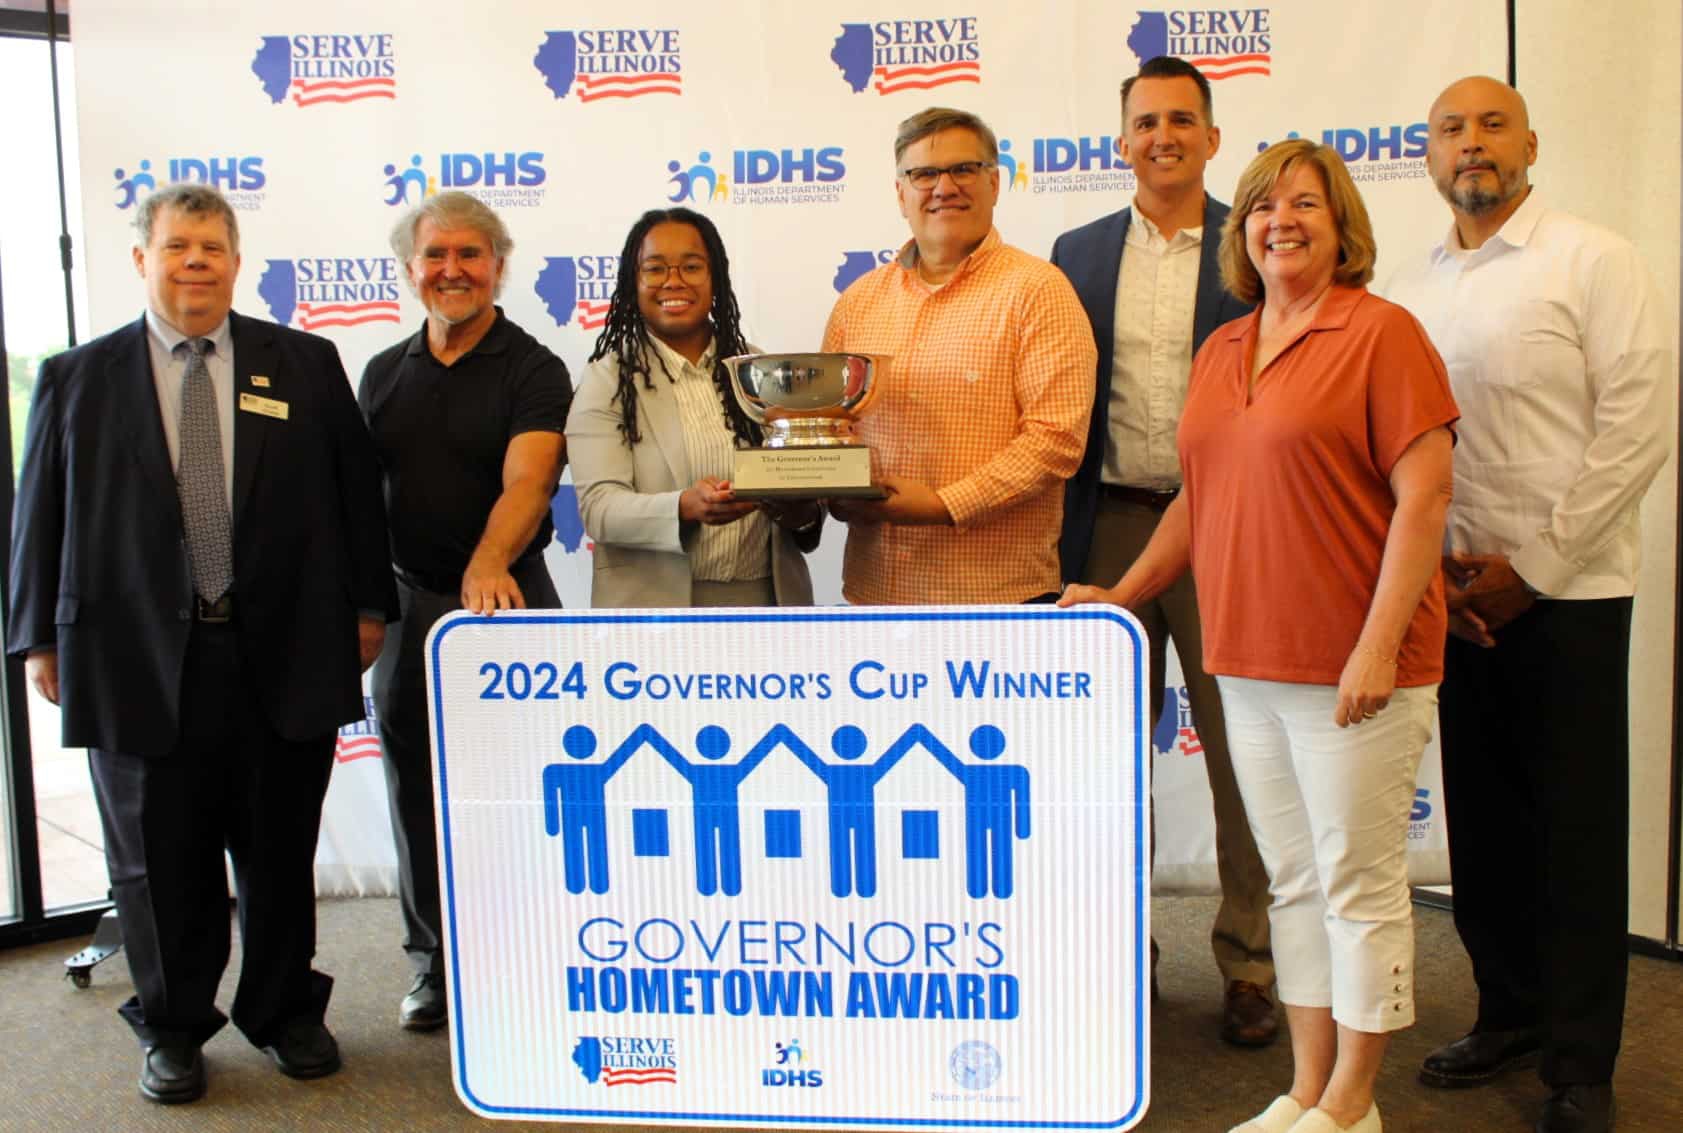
(853, 830)
(718, 830)
(995, 806)
(575, 806)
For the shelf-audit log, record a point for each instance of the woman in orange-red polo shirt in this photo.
(1315, 453)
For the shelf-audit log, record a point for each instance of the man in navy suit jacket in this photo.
(1148, 279)
(209, 719)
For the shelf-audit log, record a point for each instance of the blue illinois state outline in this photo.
(273, 66)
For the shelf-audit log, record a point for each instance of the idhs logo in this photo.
(788, 1071)
(1376, 153)
(499, 179)
(761, 176)
(241, 179)
(1084, 164)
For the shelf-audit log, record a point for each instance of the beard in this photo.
(1474, 199)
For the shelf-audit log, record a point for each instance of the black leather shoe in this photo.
(1479, 1057)
(304, 1049)
(171, 1074)
(1578, 1109)
(424, 1008)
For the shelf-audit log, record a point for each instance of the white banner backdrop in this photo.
(777, 120)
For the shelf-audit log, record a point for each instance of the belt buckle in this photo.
(219, 612)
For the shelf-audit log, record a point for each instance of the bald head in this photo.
(1480, 147)
(1482, 92)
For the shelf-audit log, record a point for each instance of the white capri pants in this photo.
(1329, 808)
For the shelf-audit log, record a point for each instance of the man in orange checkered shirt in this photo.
(983, 411)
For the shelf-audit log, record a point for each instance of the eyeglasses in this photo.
(964, 173)
(654, 273)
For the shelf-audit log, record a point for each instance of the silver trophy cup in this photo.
(807, 404)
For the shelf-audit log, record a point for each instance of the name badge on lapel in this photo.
(266, 406)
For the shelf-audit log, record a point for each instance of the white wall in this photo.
(1604, 83)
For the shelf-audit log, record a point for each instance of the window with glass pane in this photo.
(72, 846)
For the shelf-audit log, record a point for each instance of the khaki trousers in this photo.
(1240, 936)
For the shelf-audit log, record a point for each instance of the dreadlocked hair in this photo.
(626, 334)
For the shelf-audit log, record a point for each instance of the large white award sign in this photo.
(843, 868)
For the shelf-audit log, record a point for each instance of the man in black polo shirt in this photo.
(467, 417)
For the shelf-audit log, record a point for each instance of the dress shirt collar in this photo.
(1190, 235)
(908, 258)
(675, 362)
(168, 338)
(1515, 233)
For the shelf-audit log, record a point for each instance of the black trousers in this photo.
(399, 682)
(232, 783)
(1536, 771)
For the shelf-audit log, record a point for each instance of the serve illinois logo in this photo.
(891, 56)
(627, 1060)
(310, 70)
(617, 63)
(1223, 43)
(317, 292)
(582, 285)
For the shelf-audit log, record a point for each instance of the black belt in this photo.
(1144, 497)
(219, 612)
(425, 580)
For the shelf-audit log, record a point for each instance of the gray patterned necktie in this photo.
(200, 481)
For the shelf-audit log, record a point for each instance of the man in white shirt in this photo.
(1148, 280)
(1562, 369)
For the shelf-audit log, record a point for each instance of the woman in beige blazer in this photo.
(652, 429)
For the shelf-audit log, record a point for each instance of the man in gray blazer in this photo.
(467, 417)
(1148, 279)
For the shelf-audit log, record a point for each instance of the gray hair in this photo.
(448, 210)
(188, 197)
(937, 118)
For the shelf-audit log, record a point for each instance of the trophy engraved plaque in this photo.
(806, 403)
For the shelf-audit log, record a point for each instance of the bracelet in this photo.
(1372, 652)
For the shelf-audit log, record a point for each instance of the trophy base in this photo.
(804, 472)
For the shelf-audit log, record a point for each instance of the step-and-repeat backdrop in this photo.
(322, 122)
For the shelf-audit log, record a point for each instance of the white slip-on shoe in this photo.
(1280, 1117)
(1319, 1121)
